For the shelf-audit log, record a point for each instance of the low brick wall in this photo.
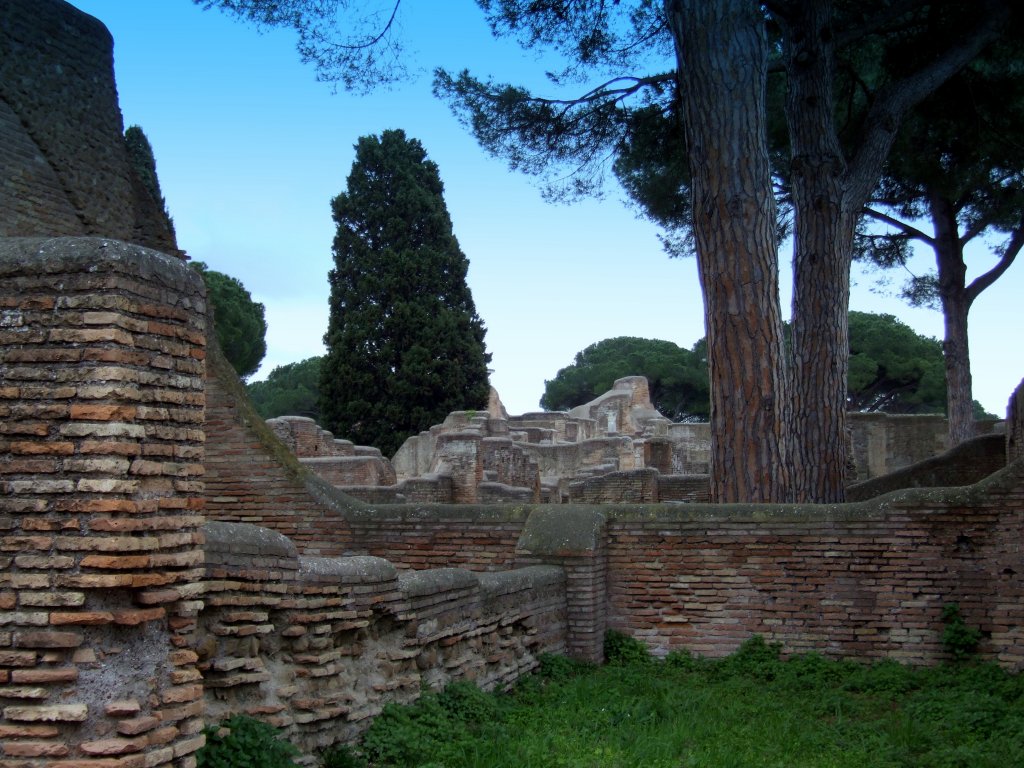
(864, 580)
(479, 538)
(318, 646)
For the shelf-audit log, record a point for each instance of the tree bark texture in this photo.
(822, 250)
(956, 304)
(722, 49)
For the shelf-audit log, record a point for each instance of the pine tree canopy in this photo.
(289, 390)
(239, 321)
(405, 345)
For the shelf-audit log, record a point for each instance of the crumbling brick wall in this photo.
(101, 497)
(317, 646)
(125, 624)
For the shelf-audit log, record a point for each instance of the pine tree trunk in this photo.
(956, 304)
(822, 249)
(721, 49)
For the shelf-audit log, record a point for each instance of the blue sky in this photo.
(250, 150)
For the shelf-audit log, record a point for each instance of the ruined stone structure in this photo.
(125, 624)
(616, 448)
(166, 560)
(65, 167)
(317, 646)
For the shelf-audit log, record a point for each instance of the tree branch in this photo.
(982, 282)
(604, 91)
(912, 232)
(376, 38)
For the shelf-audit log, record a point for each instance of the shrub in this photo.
(756, 658)
(432, 729)
(959, 640)
(244, 742)
(623, 650)
(561, 668)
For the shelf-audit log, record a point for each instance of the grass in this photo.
(750, 709)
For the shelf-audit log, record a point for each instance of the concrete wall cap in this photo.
(563, 531)
(53, 255)
(242, 538)
(429, 582)
(521, 579)
(361, 569)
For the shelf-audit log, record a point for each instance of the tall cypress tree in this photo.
(405, 346)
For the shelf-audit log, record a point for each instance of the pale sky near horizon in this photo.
(251, 149)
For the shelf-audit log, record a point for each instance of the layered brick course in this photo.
(101, 497)
(317, 646)
(865, 581)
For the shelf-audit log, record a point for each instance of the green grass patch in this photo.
(750, 709)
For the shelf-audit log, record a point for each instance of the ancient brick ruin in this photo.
(166, 560)
(616, 448)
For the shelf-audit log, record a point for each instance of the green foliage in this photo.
(289, 390)
(405, 345)
(559, 668)
(893, 368)
(756, 658)
(748, 709)
(143, 163)
(434, 729)
(947, 152)
(677, 378)
(959, 640)
(620, 648)
(342, 756)
(244, 742)
(239, 321)
(351, 44)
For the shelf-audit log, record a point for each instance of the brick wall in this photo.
(252, 478)
(317, 646)
(638, 486)
(862, 580)
(101, 496)
(306, 439)
(507, 463)
(65, 167)
(691, 488)
(706, 577)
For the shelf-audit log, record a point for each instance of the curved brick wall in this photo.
(101, 496)
(64, 166)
